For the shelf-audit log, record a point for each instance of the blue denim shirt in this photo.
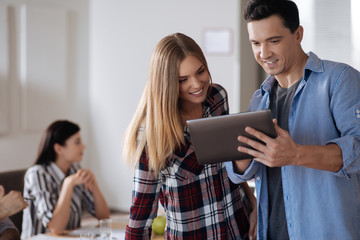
(325, 109)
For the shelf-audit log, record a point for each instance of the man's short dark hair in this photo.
(285, 9)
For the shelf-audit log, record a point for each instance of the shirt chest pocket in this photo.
(183, 166)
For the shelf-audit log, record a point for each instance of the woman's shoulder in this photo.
(217, 88)
(34, 171)
(217, 101)
(217, 93)
(36, 168)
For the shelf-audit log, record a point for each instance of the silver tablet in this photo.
(215, 138)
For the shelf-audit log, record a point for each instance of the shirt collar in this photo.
(313, 64)
(267, 84)
(57, 171)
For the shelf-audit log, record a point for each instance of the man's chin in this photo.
(272, 71)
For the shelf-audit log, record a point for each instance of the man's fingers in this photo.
(278, 129)
(252, 143)
(256, 154)
(2, 191)
(259, 135)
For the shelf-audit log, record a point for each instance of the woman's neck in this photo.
(193, 112)
(63, 165)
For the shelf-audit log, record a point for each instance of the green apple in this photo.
(159, 224)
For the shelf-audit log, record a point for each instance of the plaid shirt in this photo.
(199, 200)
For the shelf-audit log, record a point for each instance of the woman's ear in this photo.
(57, 148)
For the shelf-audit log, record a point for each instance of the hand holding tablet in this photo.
(215, 138)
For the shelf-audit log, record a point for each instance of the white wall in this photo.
(331, 29)
(43, 73)
(123, 35)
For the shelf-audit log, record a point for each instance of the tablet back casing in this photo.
(215, 138)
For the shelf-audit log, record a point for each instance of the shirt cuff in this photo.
(350, 154)
(239, 178)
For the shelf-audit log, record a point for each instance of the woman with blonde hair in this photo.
(199, 200)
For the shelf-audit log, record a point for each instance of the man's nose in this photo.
(264, 51)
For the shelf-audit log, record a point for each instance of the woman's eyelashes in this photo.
(181, 80)
(200, 71)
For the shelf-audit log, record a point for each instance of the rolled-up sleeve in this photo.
(345, 105)
(239, 178)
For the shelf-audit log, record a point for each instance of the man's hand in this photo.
(282, 151)
(10, 203)
(276, 152)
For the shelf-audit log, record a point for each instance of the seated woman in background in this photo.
(200, 201)
(58, 187)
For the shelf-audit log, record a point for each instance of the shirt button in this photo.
(258, 178)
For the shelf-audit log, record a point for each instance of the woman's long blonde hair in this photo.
(156, 125)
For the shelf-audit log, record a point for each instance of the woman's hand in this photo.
(253, 214)
(84, 176)
(253, 222)
(62, 210)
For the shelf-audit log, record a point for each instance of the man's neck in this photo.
(294, 74)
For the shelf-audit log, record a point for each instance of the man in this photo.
(10, 204)
(308, 177)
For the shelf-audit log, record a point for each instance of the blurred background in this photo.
(87, 61)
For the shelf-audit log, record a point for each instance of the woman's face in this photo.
(194, 81)
(73, 149)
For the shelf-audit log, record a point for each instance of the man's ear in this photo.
(299, 33)
(57, 148)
